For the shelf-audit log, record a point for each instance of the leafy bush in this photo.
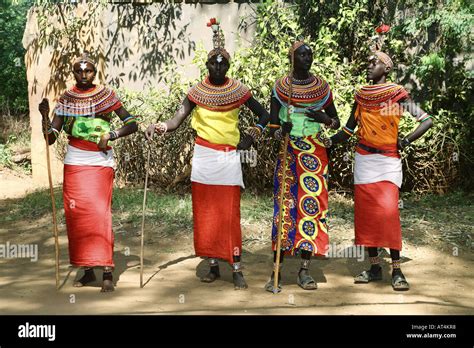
(431, 46)
(13, 83)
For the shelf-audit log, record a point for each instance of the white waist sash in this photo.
(375, 167)
(213, 167)
(78, 157)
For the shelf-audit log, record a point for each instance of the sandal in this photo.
(399, 283)
(269, 286)
(367, 276)
(306, 282)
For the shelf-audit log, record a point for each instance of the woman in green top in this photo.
(305, 200)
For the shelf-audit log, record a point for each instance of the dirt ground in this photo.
(441, 283)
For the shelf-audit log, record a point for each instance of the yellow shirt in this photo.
(217, 127)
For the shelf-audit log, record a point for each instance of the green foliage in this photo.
(338, 35)
(430, 42)
(13, 83)
(5, 156)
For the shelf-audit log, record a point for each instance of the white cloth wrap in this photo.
(78, 157)
(214, 167)
(376, 167)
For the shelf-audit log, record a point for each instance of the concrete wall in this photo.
(132, 45)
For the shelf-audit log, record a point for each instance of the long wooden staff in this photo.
(53, 202)
(283, 181)
(143, 215)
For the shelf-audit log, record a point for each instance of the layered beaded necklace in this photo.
(376, 97)
(225, 97)
(95, 101)
(304, 92)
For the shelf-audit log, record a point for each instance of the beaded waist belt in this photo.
(373, 149)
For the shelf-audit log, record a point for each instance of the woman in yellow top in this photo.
(216, 169)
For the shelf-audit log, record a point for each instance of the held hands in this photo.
(159, 128)
(318, 116)
(321, 117)
(245, 143)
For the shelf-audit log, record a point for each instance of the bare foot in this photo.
(239, 281)
(108, 283)
(107, 286)
(212, 275)
(88, 277)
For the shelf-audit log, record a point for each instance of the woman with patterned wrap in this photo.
(377, 169)
(85, 112)
(305, 202)
(216, 167)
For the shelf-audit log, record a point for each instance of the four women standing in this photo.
(300, 103)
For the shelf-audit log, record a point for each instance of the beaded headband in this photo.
(83, 60)
(295, 46)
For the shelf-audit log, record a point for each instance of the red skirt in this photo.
(376, 215)
(216, 215)
(87, 196)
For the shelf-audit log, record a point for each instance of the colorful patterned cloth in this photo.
(305, 203)
(228, 96)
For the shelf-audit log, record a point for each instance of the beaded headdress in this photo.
(218, 41)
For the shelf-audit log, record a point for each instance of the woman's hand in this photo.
(44, 111)
(318, 116)
(150, 131)
(104, 139)
(159, 128)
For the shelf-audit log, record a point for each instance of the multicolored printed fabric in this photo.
(98, 100)
(305, 202)
(228, 96)
(379, 96)
(314, 91)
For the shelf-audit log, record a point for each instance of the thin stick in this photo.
(53, 205)
(143, 216)
(283, 182)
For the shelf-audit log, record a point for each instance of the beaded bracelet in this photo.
(348, 131)
(129, 119)
(113, 135)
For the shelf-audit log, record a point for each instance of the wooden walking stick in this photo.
(143, 215)
(53, 202)
(283, 181)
